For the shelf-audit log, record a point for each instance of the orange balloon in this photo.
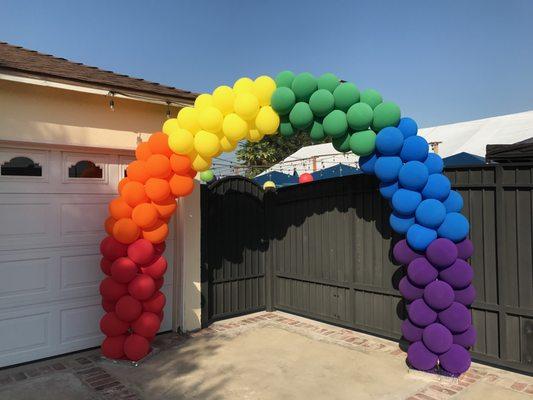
(138, 171)
(118, 208)
(181, 185)
(158, 143)
(142, 152)
(192, 173)
(157, 234)
(126, 231)
(166, 208)
(181, 165)
(121, 184)
(145, 215)
(109, 222)
(134, 194)
(157, 189)
(158, 166)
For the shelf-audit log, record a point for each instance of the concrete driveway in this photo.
(265, 356)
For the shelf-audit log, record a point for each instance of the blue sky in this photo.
(441, 61)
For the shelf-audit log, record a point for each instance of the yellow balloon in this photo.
(263, 88)
(200, 163)
(267, 121)
(243, 85)
(206, 144)
(254, 135)
(210, 119)
(234, 127)
(188, 119)
(246, 105)
(171, 125)
(203, 101)
(181, 141)
(223, 98)
(269, 185)
(227, 145)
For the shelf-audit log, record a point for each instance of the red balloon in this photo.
(146, 325)
(111, 325)
(112, 290)
(123, 270)
(155, 303)
(161, 315)
(159, 248)
(159, 283)
(112, 248)
(136, 347)
(113, 346)
(142, 287)
(156, 269)
(105, 266)
(108, 306)
(141, 251)
(305, 178)
(128, 309)
(150, 339)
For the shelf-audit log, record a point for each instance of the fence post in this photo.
(268, 201)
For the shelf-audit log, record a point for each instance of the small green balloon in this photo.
(317, 132)
(386, 114)
(342, 143)
(371, 97)
(284, 79)
(359, 116)
(363, 143)
(321, 102)
(335, 124)
(207, 176)
(283, 100)
(328, 81)
(301, 116)
(345, 95)
(303, 86)
(286, 129)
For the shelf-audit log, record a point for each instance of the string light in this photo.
(111, 96)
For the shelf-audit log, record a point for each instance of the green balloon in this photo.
(345, 95)
(328, 81)
(371, 97)
(335, 124)
(284, 79)
(283, 100)
(386, 114)
(359, 116)
(285, 127)
(317, 132)
(301, 116)
(303, 86)
(321, 102)
(342, 143)
(363, 143)
(207, 176)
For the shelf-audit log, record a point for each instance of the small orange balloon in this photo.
(126, 231)
(158, 166)
(157, 189)
(142, 152)
(157, 234)
(138, 171)
(181, 165)
(109, 222)
(166, 208)
(158, 143)
(181, 185)
(121, 184)
(118, 208)
(145, 215)
(134, 194)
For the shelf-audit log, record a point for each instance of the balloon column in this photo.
(437, 287)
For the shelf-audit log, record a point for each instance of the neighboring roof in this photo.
(516, 152)
(460, 159)
(336, 171)
(29, 63)
(278, 178)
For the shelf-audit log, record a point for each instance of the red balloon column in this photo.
(132, 254)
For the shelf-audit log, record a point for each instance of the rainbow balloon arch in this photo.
(437, 288)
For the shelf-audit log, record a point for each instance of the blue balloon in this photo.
(430, 213)
(408, 127)
(387, 168)
(454, 202)
(406, 201)
(387, 189)
(389, 141)
(415, 148)
(454, 227)
(366, 163)
(413, 175)
(401, 223)
(434, 163)
(419, 237)
(437, 187)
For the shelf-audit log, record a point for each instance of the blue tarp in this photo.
(335, 172)
(460, 159)
(278, 178)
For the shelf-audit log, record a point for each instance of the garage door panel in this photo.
(25, 278)
(80, 326)
(79, 274)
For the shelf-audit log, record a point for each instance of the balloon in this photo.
(210, 119)
(387, 189)
(410, 331)
(301, 116)
(465, 249)
(202, 102)
(346, 94)
(263, 88)
(156, 234)
(387, 169)
(438, 295)
(159, 283)
(145, 215)
(341, 144)
(246, 105)
(254, 135)
(371, 97)
(105, 265)
(141, 251)
(303, 86)
(223, 99)
(284, 79)
(467, 338)
(360, 116)
(112, 249)
(113, 347)
(317, 132)
(386, 114)
(158, 143)
(454, 227)
(146, 325)
(400, 223)
(421, 314)
(363, 143)
(234, 127)
(243, 85)
(158, 166)
(143, 152)
(128, 308)
(456, 318)
(419, 237)
(107, 305)
(305, 178)
(126, 231)
(155, 304)
(415, 148)
(456, 360)
(420, 357)
(321, 102)
(108, 225)
(134, 194)
(286, 129)
(413, 175)
(454, 202)
(111, 325)
(421, 272)
(180, 164)
(434, 163)
(171, 125)
(142, 287)
(157, 189)
(389, 141)
(437, 187)
(442, 253)
(335, 124)
(409, 291)
(283, 100)
(269, 185)
(465, 296)
(123, 270)
(206, 143)
(121, 184)
(437, 338)
(367, 163)
(156, 269)
(118, 208)
(159, 248)
(136, 347)
(408, 127)
(207, 176)
(188, 119)
(267, 121)
(328, 81)
(138, 171)
(181, 141)
(181, 186)
(459, 275)
(112, 290)
(430, 212)
(164, 208)
(404, 201)
(404, 254)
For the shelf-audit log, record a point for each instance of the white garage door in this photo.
(52, 206)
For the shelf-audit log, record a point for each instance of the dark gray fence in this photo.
(322, 250)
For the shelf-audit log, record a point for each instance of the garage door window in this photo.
(85, 169)
(21, 166)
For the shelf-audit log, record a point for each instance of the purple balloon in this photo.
(409, 291)
(437, 338)
(420, 357)
(438, 295)
(403, 253)
(459, 275)
(421, 272)
(467, 338)
(421, 314)
(410, 331)
(465, 249)
(441, 253)
(456, 318)
(456, 360)
(465, 296)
